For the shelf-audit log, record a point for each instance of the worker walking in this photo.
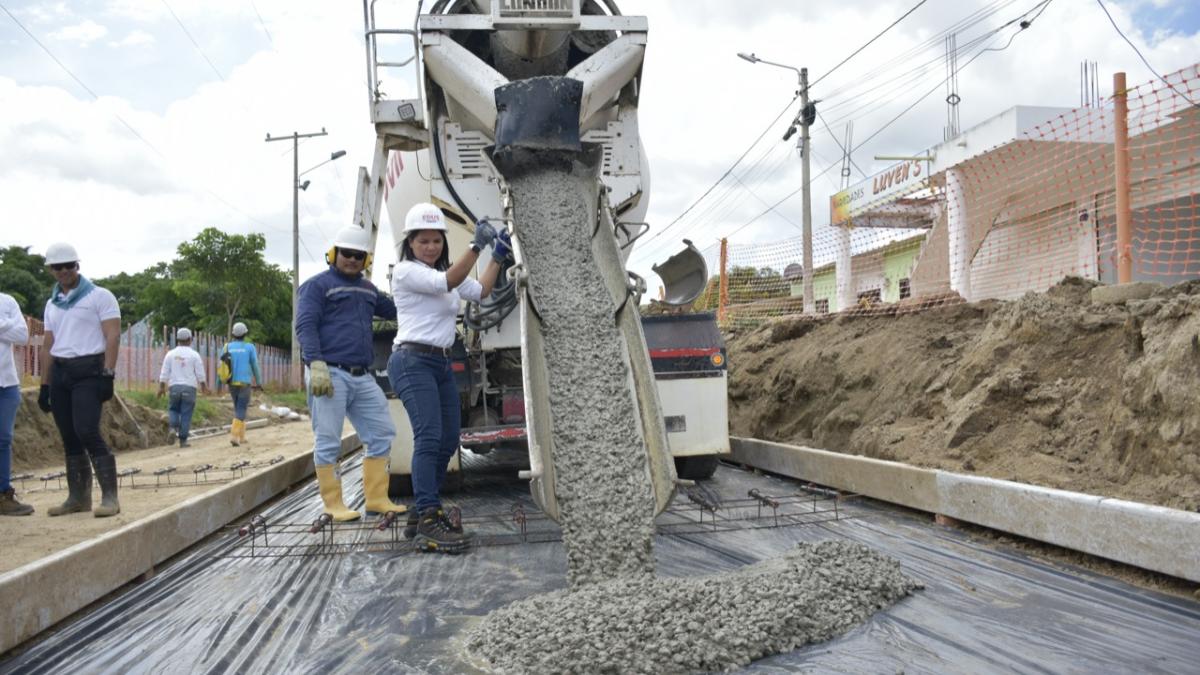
(13, 331)
(244, 374)
(428, 292)
(79, 352)
(183, 373)
(333, 323)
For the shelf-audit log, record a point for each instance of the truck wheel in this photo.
(696, 467)
(399, 486)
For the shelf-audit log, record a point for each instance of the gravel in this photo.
(617, 616)
(602, 478)
(658, 625)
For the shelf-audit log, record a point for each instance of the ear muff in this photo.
(331, 258)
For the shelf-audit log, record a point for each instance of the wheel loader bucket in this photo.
(684, 276)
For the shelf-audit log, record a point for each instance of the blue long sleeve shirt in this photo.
(333, 318)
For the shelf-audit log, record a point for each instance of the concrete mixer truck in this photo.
(504, 84)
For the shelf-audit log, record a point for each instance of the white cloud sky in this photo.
(73, 170)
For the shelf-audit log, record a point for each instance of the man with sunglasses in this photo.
(79, 353)
(333, 323)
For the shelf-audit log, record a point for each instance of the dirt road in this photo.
(31, 537)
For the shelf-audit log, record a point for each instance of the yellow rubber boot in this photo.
(234, 430)
(242, 431)
(375, 486)
(331, 494)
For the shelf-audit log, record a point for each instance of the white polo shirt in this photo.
(425, 309)
(182, 365)
(77, 330)
(13, 331)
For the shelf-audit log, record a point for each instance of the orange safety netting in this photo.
(1013, 205)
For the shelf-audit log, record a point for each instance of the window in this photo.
(822, 306)
(905, 288)
(872, 296)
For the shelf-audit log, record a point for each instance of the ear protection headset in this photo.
(331, 258)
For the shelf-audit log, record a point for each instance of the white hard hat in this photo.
(354, 238)
(183, 334)
(239, 329)
(61, 252)
(424, 216)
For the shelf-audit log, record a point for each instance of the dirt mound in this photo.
(1050, 389)
(36, 442)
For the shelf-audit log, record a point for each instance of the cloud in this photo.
(136, 38)
(82, 34)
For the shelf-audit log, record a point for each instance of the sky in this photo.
(128, 126)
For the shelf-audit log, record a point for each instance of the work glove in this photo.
(319, 382)
(44, 398)
(502, 247)
(105, 391)
(484, 234)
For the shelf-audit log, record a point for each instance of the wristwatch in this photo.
(108, 372)
(475, 248)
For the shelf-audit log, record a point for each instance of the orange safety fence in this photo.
(142, 351)
(1013, 205)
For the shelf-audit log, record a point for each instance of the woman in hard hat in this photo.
(243, 373)
(428, 291)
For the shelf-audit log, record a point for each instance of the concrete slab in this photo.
(1151, 537)
(36, 596)
(1121, 293)
(889, 481)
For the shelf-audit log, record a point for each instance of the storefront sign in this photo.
(857, 199)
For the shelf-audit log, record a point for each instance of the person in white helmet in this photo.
(333, 322)
(183, 372)
(428, 291)
(79, 355)
(244, 374)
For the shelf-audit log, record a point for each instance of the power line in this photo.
(193, 40)
(262, 23)
(868, 44)
(1139, 53)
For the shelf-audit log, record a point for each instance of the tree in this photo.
(224, 276)
(149, 294)
(24, 276)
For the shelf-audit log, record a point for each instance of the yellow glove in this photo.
(319, 382)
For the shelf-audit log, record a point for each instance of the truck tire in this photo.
(696, 467)
(399, 486)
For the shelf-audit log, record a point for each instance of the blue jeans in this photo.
(10, 400)
(179, 410)
(241, 399)
(425, 383)
(358, 398)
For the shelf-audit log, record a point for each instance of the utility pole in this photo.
(810, 302)
(296, 379)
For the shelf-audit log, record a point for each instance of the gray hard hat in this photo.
(183, 334)
(239, 329)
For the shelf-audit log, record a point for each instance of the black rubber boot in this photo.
(106, 476)
(434, 534)
(410, 528)
(79, 484)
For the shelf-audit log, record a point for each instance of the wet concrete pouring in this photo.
(618, 616)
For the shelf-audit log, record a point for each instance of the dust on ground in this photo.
(1049, 389)
(27, 538)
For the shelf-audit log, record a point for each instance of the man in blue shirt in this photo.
(244, 372)
(333, 322)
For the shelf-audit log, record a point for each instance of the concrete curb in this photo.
(1151, 537)
(38, 595)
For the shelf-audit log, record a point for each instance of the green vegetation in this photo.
(25, 277)
(207, 409)
(746, 284)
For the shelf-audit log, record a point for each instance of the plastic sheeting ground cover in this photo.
(985, 609)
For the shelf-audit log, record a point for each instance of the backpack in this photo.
(225, 366)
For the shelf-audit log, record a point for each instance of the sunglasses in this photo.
(58, 267)
(353, 255)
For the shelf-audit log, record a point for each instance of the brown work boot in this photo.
(9, 506)
(79, 486)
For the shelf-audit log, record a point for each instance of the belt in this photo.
(421, 348)
(353, 370)
(75, 359)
